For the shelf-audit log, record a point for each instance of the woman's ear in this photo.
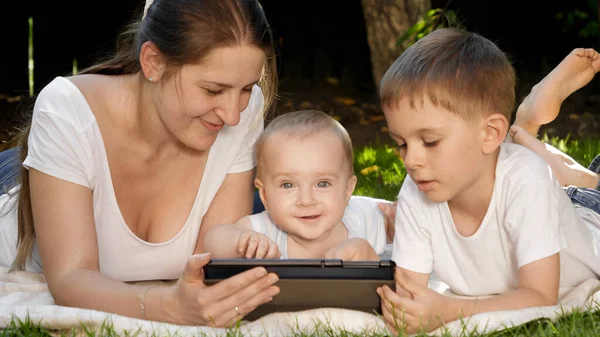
(151, 61)
(494, 129)
(261, 191)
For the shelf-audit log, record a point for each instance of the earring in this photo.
(150, 79)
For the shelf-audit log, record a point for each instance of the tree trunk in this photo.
(386, 21)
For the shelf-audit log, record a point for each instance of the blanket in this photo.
(25, 295)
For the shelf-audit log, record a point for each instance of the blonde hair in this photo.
(459, 71)
(306, 123)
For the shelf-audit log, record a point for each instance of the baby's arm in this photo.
(239, 241)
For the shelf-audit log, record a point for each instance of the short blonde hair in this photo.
(305, 123)
(459, 71)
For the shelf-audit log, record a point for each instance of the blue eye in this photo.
(287, 185)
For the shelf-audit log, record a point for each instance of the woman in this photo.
(128, 164)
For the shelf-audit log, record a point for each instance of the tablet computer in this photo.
(313, 283)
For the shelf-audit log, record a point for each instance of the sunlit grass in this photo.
(380, 172)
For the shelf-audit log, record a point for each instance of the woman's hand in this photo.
(565, 169)
(221, 304)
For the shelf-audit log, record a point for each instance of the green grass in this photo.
(380, 174)
(576, 324)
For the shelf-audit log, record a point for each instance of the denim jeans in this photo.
(10, 166)
(258, 206)
(587, 197)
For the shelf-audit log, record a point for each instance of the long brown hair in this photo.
(185, 31)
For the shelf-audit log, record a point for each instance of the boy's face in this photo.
(441, 151)
(305, 183)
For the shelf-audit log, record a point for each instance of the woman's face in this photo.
(202, 98)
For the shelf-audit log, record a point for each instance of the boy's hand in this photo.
(255, 245)
(356, 249)
(422, 311)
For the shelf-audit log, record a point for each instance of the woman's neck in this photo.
(143, 118)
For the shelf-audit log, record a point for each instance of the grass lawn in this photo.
(380, 174)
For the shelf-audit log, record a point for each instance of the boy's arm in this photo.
(538, 286)
(415, 307)
(221, 241)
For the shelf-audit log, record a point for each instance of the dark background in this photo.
(317, 39)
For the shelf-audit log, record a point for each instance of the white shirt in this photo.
(362, 218)
(65, 142)
(529, 218)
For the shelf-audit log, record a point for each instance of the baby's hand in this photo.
(353, 249)
(255, 245)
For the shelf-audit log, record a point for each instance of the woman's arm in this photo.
(66, 236)
(232, 202)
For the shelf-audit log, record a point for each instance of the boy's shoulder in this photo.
(518, 167)
(516, 159)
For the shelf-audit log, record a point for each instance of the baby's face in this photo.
(441, 151)
(306, 183)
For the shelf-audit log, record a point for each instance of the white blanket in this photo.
(24, 294)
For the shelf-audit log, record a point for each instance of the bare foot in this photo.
(542, 105)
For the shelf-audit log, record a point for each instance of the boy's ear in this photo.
(261, 191)
(350, 187)
(494, 129)
(151, 61)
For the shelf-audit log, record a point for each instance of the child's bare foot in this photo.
(542, 105)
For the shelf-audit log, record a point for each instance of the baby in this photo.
(305, 178)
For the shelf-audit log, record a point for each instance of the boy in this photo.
(305, 177)
(487, 216)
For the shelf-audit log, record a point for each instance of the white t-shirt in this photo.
(65, 142)
(530, 217)
(362, 218)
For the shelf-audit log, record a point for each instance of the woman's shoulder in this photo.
(62, 99)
